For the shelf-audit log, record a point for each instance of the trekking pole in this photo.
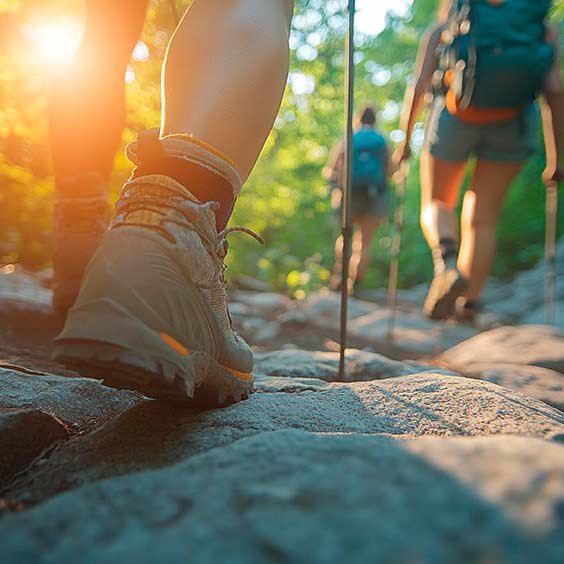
(346, 228)
(396, 247)
(550, 249)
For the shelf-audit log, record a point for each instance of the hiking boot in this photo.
(152, 311)
(357, 289)
(447, 286)
(81, 215)
(466, 310)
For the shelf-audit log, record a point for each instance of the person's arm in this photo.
(333, 171)
(552, 107)
(425, 66)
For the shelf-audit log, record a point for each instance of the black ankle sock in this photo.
(448, 248)
(203, 183)
(470, 304)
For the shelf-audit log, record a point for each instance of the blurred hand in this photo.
(552, 173)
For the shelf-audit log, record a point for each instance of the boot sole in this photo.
(216, 386)
(451, 289)
(139, 358)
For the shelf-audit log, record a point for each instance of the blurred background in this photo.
(286, 199)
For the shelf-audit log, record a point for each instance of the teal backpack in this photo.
(370, 155)
(495, 53)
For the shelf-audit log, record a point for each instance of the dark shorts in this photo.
(371, 201)
(450, 139)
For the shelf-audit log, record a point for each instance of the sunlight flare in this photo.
(54, 42)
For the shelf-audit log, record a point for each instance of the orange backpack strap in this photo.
(478, 116)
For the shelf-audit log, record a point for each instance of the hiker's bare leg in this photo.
(86, 118)
(161, 261)
(480, 213)
(87, 108)
(337, 268)
(356, 254)
(225, 73)
(440, 187)
(368, 225)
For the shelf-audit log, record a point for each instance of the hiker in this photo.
(485, 62)
(152, 311)
(370, 195)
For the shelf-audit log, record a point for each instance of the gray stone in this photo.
(414, 296)
(522, 299)
(538, 316)
(537, 345)
(239, 310)
(271, 384)
(83, 404)
(21, 290)
(368, 323)
(24, 435)
(324, 306)
(154, 434)
(534, 381)
(359, 365)
(292, 317)
(293, 496)
(267, 304)
(266, 333)
(412, 331)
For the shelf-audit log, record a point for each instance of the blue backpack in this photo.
(369, 159)
(495, 55)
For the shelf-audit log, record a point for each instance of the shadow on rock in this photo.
(360, 498)
(152, 434)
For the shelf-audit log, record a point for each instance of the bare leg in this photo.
(336, 276)
(225, 73)
(440, 187)
(368, 226)
(356, 254)
(86, 118)
(480, 213)
(87, 107)
(161, 263)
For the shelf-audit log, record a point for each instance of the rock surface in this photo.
(534, 381)
(280, 496)
(521, 301)
(24, 435)
(457, 458)
(80, 403)
(359, 365)
(368, 323)
(154, 434)
(19, 289)
(537, 345)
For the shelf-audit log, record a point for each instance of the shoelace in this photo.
(223, 246)
(156, 203)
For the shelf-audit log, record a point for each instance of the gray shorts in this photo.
(374, 202)
(450, 139)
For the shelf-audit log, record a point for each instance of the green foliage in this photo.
(285, 199)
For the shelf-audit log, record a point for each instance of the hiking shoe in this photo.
(152, 311)
(447, 286)
(466, 310)
(81, 215)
